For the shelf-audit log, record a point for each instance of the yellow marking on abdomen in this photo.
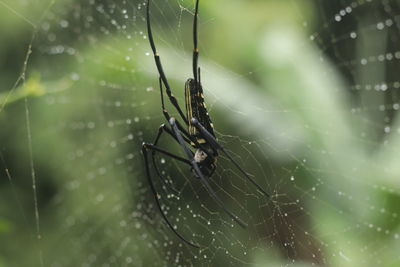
(201, 140)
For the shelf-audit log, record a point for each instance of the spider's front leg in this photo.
(215, 145)
(160, 69)
(163, 128)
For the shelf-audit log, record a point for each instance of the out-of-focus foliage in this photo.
(285, 94)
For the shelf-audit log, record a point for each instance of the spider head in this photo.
(205, 162)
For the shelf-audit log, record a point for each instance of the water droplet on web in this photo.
(100, 198)
(64, 24)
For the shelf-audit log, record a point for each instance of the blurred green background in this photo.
(304, 94)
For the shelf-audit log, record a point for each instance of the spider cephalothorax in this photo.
(198, 134)
(206, 163)
(200, 156)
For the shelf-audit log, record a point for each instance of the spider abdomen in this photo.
(196, 108)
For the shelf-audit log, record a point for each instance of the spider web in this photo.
(303, 94)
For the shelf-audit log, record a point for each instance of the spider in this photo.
(198, 140)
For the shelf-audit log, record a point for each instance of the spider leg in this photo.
(160, 68)
(195, 49)
(162, 151)
(196, 168)
(163, 128)
(214, 143)
(145, 147)
(164, 110)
